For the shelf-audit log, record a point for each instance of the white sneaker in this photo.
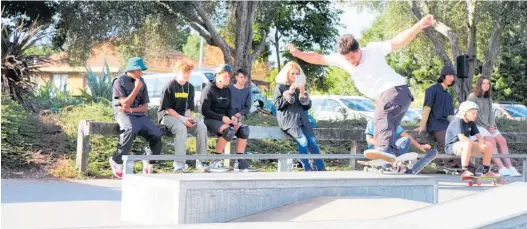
(514, 172)
(504, 172)
(217, 167)
(180, 168)
(147, 168)
(116, 168)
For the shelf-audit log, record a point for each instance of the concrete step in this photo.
(164, 199)
(337, 208)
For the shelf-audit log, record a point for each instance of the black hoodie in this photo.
(216, 102)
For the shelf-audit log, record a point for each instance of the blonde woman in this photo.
(291, 100)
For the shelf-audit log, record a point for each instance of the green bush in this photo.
(50, 97)
(20, 134)
(99, 87)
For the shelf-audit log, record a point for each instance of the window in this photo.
(316, 104)
(60, 81)
(330, 105)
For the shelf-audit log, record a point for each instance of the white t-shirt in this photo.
(373, 75)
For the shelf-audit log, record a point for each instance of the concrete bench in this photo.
(164, 199)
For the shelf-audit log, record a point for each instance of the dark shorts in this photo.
(213, 125)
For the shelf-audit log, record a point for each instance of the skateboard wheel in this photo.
(470, 183)
(479, 183)
(365, 169)
(503, 182)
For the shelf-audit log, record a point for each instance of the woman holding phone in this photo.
(291, 100)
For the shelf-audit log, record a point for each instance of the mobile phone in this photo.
(300, 80)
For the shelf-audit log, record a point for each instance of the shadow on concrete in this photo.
(28, 191)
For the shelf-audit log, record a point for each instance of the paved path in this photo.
(35, 204)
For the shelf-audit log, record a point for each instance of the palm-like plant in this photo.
(17, 67)
(99, 87)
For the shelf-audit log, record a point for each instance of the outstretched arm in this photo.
(404, 37)
(310, 57)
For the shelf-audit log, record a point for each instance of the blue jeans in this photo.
(403, 145)
(304, 143)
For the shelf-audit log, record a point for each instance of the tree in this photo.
(191, 48)
(458, 28)
(511, 80)
(17, 66)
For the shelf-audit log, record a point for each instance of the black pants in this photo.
(131, 126)
(390, 109)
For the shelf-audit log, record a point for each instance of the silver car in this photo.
(336, 107)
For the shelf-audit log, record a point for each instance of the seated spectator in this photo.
(458, 141)
(291, 101)
(130, 105)
(241, 95)
(220, 118)
(175, 112)
(486, 122)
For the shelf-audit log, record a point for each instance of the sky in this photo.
(354, 21)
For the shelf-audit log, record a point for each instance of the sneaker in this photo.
(217, 167)
(386, 155)
(147, 168)
(466, 174)
(491, 174)
(504, 172)
(116, 168)
(243, 166)
(181, 169)
(514, 172)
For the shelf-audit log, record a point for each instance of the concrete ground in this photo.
(36, 204)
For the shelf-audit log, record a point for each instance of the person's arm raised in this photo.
(310, 57)
(406, 36)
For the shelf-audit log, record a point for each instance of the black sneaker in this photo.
(243, 166)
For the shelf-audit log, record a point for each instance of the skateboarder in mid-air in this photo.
(374, 78)
(458, 141)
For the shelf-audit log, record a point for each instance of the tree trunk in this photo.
(438, 47)
(242, 56)
(276, 46)
(463, 90)
(493, 49)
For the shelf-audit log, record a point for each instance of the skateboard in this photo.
(377, 165)
(423, 162)
(478, 180)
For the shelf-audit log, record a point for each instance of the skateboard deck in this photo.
(423, 162)
(376, 165)
(472, 180)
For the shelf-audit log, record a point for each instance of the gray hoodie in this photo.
(486, 116)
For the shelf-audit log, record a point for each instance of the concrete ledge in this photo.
(500, 207)
(165, 199)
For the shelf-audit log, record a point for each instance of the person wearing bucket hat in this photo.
(458, 140)
(219, 118)
(438, 106)
(130, 103)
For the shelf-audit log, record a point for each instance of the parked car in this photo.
(413, 115)
(336, 107)
(510, 110)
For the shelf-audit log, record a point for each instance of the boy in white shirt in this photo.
(374, 78)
